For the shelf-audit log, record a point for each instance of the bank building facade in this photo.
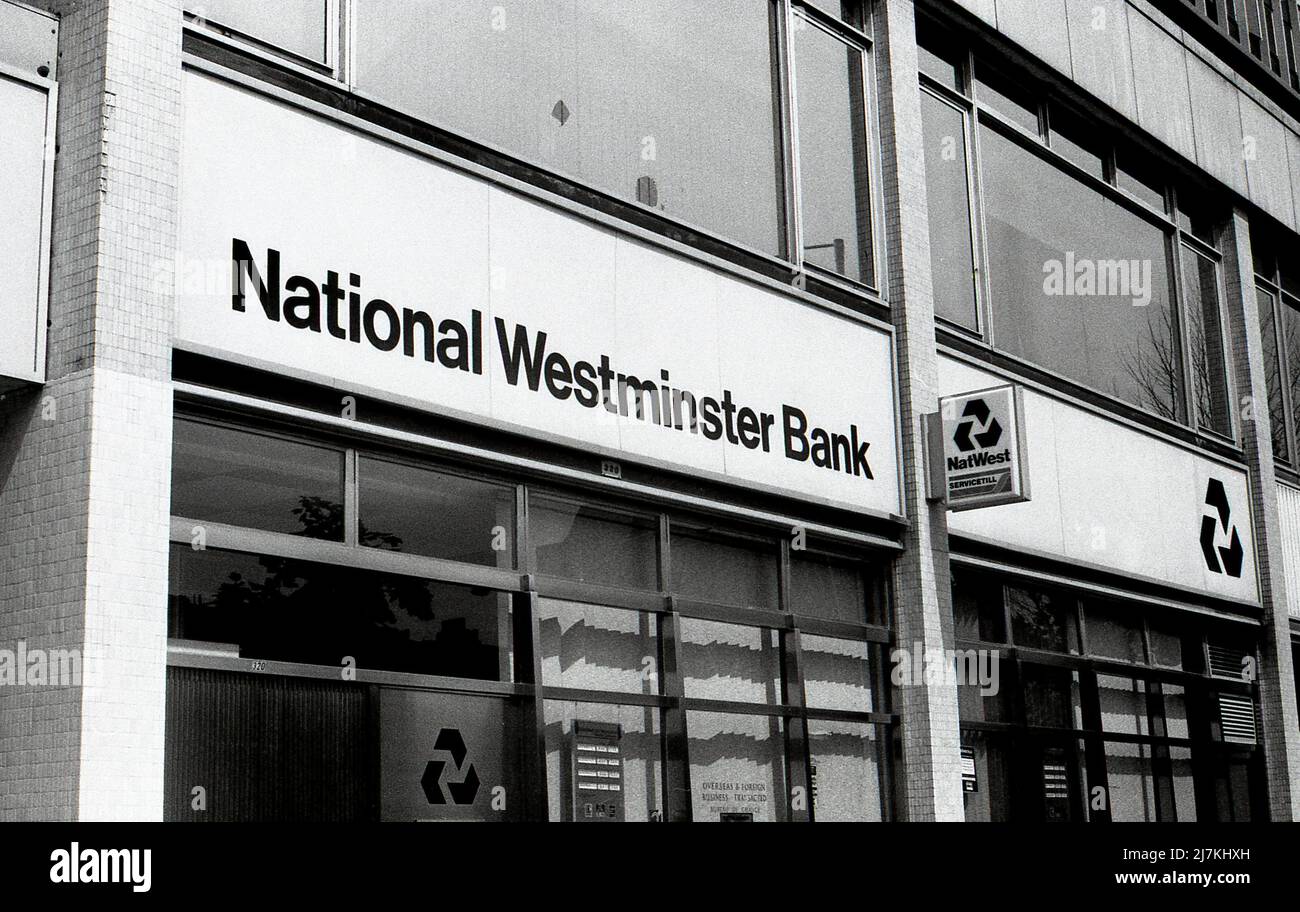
(755, 410)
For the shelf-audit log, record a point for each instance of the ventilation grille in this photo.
(1227, 662)
(1237, 714)
(1055, 782)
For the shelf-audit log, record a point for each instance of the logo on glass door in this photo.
(449, 741)
(1225, 558)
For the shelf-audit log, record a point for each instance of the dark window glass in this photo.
(594, 648)
(986, 779)
(1007, 98)
(1274, 374)
(832, 124)
(836, 674)
(665, 103)
(1077, 142)
(239, 478)
(822, 586)
(724, 573)
(1138, 179)
(947, 185)
(1289, 312)
(1051, 696)
(1079, 284)
(293, 610)
(603, 762)
(297, 26)
(1043, 620)
(1205, 339)
(1195, 216)
(1166, 646)
(1114, 632)
(844, 765)
(977, 608)
(585, 543)
(983, 695)
(730, 662)
(437, 514)
(737, 767)
(938, 56)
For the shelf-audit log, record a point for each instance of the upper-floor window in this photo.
(1060, 246)
(745, 119)
(300, 27)
(1277, 292)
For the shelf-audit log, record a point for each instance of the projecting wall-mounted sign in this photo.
(338, 257)
(975, 445)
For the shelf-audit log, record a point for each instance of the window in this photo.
(580, 542)
(947, 182)
(1159, 735)
(762, 660)
(240, 478)
(832, 130)
(667, 104)
(1277, 293)
(289, 610)
(1078, 283)
(1078, 260)
(437, 514)
(297, 26)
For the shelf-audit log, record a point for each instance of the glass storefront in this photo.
(1104, 710)
(373, 637)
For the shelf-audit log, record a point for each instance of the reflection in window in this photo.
(292, 610)
(831, 105)
(952, 258)
(666, 103)
(297, 26)
(836, 674)
(737, 767)
(1079, 284)
(730, 662)
(1205, 341)
(1043, 620)
(977, 608)
(584, 543)
(1114, 632)
(1051, 697)
(594, 648)
(1123, 705)
(844, 766)
(1273, 374)
(1132, 789)
(419, 511)
(1289, 325)
(1074, 139)
(239, 478)
(603, 762)
(715, 571)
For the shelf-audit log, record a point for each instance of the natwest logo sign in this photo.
(1220, 543)
(976, 449)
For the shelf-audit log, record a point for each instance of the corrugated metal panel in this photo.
(267, 748)
(1288, 508)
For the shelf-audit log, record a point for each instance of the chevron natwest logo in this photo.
(1220, 558)
(449, 741)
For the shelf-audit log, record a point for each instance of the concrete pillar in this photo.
(1278, 716)
(85, 460)
(931, 736)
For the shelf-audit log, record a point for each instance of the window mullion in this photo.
(789, 134)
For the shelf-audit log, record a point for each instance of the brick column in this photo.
(85, 461)
(1280, 721)
(931, 739)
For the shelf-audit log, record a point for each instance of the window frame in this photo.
(337, 15)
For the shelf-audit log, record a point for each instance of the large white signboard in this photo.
(335, 256)
(1114, 497)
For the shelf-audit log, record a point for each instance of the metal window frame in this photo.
(335, 21)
